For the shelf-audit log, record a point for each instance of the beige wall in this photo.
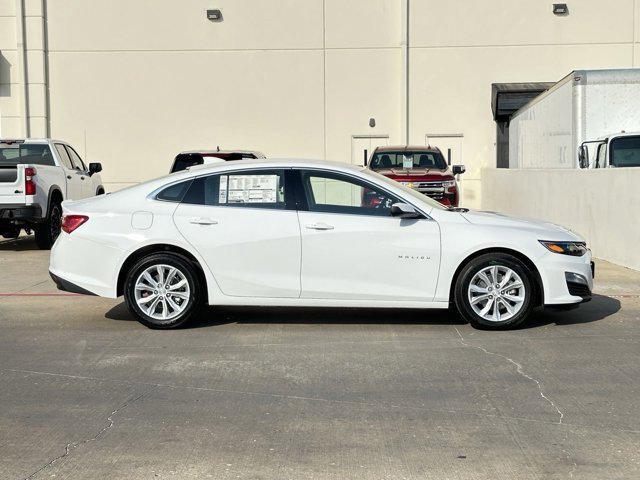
(132, 83)
(576, 199)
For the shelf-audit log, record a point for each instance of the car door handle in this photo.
(203, 221)
(319, 226)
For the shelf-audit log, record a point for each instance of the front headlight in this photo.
(449, 183)
(575, 249)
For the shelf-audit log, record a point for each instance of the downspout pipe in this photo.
(45, 55)
(22, 64)
(404, 44)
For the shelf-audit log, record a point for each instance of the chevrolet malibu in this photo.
(313, 234)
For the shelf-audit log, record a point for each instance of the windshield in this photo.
(625, 152)
(409, 192)
(20, 154)
(405, 160)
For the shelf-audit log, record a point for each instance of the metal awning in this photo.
(507, 98)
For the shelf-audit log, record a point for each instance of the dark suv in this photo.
(422, 168)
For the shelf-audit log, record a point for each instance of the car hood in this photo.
(414, 172)
(545, 230)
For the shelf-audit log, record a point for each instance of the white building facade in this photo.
(130, 83)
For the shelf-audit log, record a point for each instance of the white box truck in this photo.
(584, 106)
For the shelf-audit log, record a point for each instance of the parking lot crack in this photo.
(519, 370)
(70, 447)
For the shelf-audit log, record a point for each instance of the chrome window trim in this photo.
(225, 171)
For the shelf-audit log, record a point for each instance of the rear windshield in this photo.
(184, 161)
(20, 154)
(187, 160)
(383, 160)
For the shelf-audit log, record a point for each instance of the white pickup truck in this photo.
(36, 175)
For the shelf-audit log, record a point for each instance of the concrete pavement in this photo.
(327, 394)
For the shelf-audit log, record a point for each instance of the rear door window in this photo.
(64, 156)
(254, 189)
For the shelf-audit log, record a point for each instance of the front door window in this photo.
(335, 193)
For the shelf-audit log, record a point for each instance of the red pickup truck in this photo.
(422, 168)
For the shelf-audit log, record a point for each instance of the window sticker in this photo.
(222, 197)
(252, 188)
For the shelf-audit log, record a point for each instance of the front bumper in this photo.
(567, 280)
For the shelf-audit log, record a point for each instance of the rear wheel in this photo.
(494, 291)
(163, 290)
(47, 232)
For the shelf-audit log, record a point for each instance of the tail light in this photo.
(71, 222)
(29, 184)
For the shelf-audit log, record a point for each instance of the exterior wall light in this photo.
(372, 122)
(214, 15)
(560, 9)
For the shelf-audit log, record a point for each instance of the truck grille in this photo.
(428, 185)
(433, 189)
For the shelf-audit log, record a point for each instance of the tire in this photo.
(47, 232)
(475, 295)
(164, 315)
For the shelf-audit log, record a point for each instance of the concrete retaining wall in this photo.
(601, 205)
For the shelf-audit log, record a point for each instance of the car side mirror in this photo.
(404, 210)
(95, 168)
(583, 156)
(458, 169)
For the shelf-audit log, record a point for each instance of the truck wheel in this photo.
(47, 232)
(494, 291)
(163, 291)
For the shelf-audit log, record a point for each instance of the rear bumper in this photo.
(67, 286)
(85, 264)
(20, 212)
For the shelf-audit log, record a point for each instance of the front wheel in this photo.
(494, 291)
(47, 232)
(163, 290)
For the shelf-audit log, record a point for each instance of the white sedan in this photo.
(313, 234)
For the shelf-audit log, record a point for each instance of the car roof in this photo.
(31, 140)
(275, 163)
(407, 148)
(213, 152)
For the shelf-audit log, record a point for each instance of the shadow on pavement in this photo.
(600, 307)
(21, 244)
(212, 316)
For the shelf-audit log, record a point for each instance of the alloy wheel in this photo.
(162, 292)
(496, 293)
